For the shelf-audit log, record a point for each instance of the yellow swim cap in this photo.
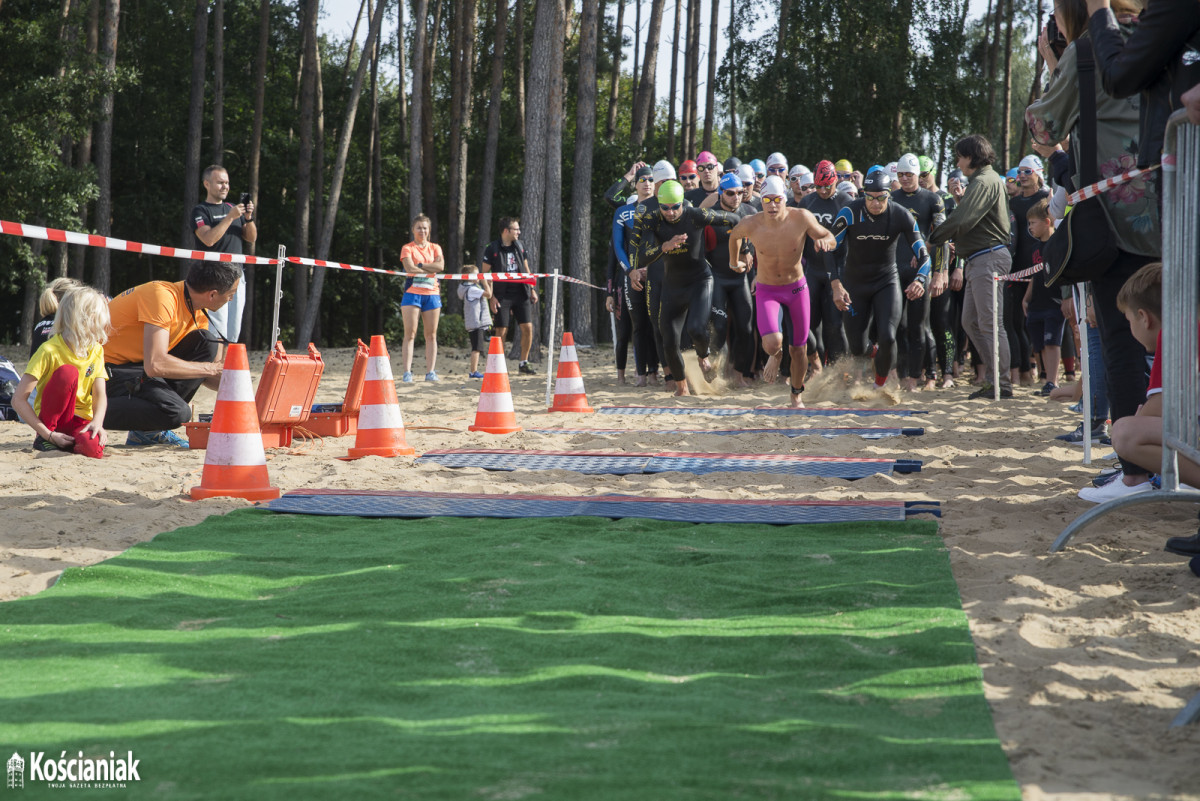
(843, 165)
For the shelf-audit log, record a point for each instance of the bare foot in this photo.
(705, 366)
(620, 376)
(771, 368)
(930, 385)
(744, 382)
(948, 382)
(796, 401)
(669, 386)
(641, 381)
(681, 389)
(909, 385)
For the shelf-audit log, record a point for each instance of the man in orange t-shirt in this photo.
(160, 351)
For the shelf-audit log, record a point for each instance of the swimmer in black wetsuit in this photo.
(674, 233)
(929, 212)
(870, 286)
(732, 303)
(821, 269)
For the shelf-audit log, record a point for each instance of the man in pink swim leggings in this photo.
(778, 236)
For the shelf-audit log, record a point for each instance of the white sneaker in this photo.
(1113, 490)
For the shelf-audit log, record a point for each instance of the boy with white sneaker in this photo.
(1138, 438)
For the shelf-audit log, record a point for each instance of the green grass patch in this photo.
(263, 656)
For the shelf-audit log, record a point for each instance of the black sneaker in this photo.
(525, 369)
(1047, 388)
(1184, 546)
(1076, 436)
(43, 445)
(986, 393)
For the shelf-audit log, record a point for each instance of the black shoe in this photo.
(525, 369)
(985, 393)
(43, 445)
(1049, 387)
(1184, 546)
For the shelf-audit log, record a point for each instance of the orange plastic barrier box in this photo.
(341, 419)
(284, 397)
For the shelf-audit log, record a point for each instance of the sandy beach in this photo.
(1086, 655)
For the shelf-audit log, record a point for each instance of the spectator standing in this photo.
(422, 260)
(221, 227)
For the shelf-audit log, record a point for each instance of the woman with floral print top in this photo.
(1132, 207)
(1133, 216)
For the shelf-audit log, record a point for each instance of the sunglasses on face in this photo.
(843, 175)
(772, 201)
(688, 177)
(1010, 180)
(1025, 171)
(808, 187)
(645, 180)
(706, 167)
(777, 170)
(909, 174)
(876, 198)
(925, 175)
(732, 193)
(673, 207)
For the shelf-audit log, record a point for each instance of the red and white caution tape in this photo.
(1112, 182)
(1023, 275)
(509, 277)
(93, 240)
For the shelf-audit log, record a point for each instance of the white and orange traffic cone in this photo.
(380, 426)
(235, 465)
(495, 413)
(569, 395)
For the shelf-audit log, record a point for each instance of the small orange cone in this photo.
(569, 395)
(380, 426)
(235, 465)
(495, 414)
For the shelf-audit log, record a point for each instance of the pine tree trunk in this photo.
(991, 66)
(689, 80)
(537, 128)
(304, 193)
(429, 183)
(1006, 117)
(519, 58)
(675, 82)
(694, 66)
(33, 289)
(552, 261)
(785, 10)
(260, 94)
(637, 59)
(710, 94)
(416, 121)
(581, 180)
(466, 17)
(488, 191)
(318, 176)
(614, 87)
(733, 62)
(377, 169)
(339, 173)
(83, 150)
(645, 93)
(102, 276)
(372, 125)
(191, 150)
(400, 71)
(69, 35)
(218, 126)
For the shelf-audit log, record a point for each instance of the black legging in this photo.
(879, 304)
(137, 402)
(917, 334)
(686, 301)
(654, 293)
(731, 301)
(645, 353)
(943, 316)
(1019, 347)
(825, 320)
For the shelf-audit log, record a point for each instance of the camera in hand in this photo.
(1058, 42)
(244, 199)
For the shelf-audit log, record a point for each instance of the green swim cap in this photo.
(927, 165)
(670, 193)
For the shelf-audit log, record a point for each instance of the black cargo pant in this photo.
(137, 402)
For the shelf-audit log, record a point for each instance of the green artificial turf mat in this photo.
(264, 656)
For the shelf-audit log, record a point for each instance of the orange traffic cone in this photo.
(380, 426)
(235, 465)
(568, 384)
(495, 414)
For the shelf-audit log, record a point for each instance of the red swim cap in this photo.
(825, 174)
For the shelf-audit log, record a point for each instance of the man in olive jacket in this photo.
(979, 228)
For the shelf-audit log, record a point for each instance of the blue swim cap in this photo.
(874, 168)
(730, 181)
(759, 166)
(1011, 173)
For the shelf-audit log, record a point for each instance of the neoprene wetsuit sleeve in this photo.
(616, 193)
(633, 246)
(704, 217)
(912, 233)
(941, 255)
(840, 223)
(618, 241)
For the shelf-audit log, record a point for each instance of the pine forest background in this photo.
(484, 108)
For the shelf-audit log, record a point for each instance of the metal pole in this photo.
(995, 338)
(550, 339)
(278, 296)
(1085, 373)
(612, 319)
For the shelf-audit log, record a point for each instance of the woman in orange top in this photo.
(422, 260)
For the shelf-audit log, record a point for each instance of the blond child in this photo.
(47, 307)
(67, 372)
(1138, 438)
(477, 318)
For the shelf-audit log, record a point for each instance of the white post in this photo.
(278, 297)
(1085, 371)
(995, 337)
(612, 319)
(550, 340)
